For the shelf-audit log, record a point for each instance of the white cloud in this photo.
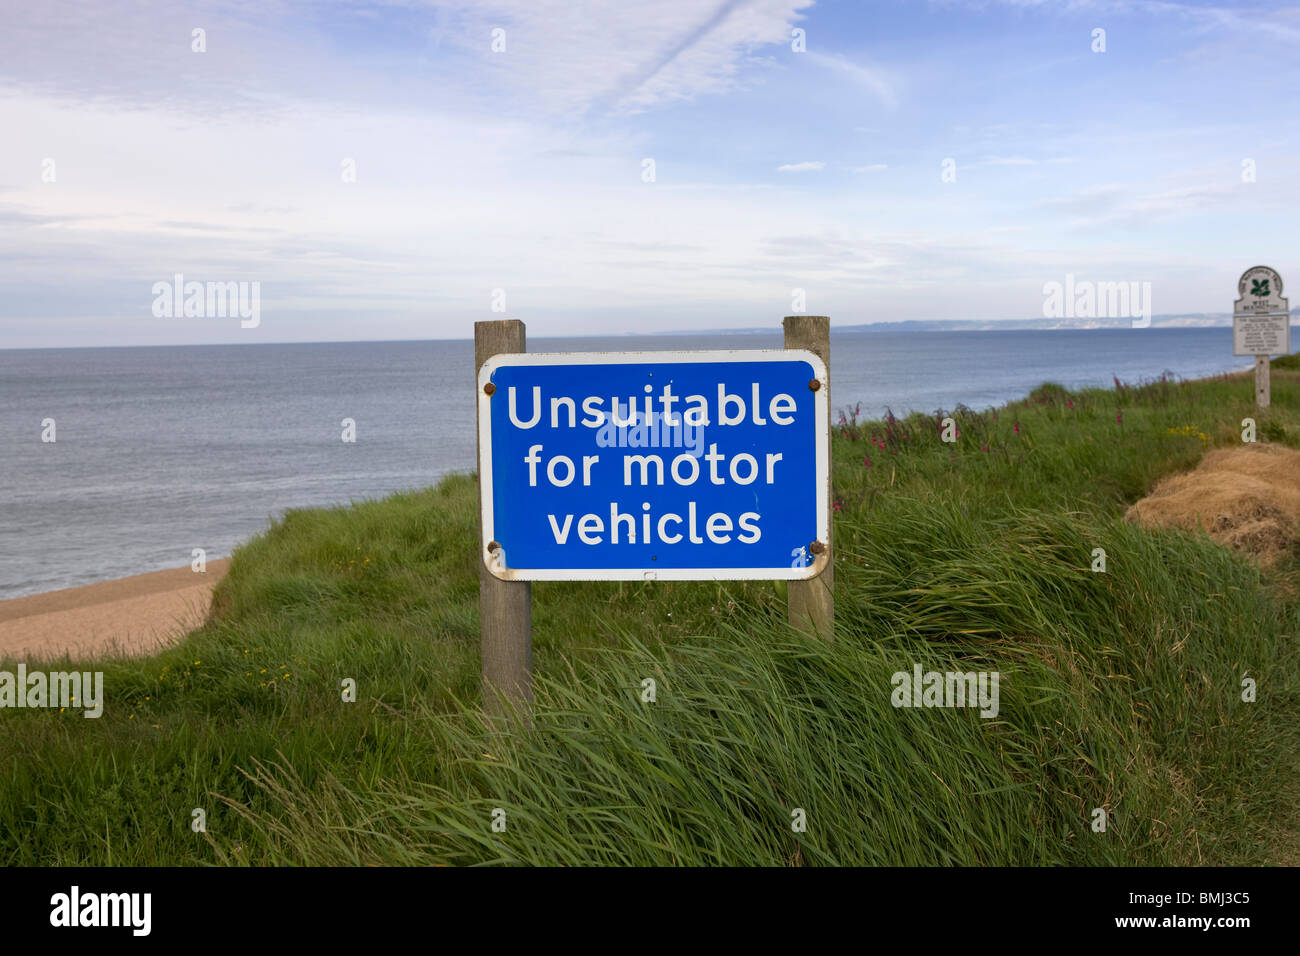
(809, 167)
(614, 56)
(560, 57)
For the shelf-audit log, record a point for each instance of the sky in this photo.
(381, 171)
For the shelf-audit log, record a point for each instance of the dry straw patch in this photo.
(1247, 499)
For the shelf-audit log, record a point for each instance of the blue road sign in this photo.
(654, 465)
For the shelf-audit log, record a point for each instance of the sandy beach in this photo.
(129, 616)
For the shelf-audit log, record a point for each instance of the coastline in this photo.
(142, 613)
(127, 616)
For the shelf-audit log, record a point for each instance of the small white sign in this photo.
(1259, 292)
(1261, 334)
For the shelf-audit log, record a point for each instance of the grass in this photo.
(1119, 690)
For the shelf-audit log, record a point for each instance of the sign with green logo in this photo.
(1260, 293)
(1261, 317)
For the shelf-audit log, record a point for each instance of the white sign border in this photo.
(821, 422)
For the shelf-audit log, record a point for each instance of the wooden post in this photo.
(1261, 381)
(505, 607)
(811, 603)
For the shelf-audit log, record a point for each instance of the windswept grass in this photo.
(1119, 690)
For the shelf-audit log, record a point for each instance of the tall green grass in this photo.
(1119, 690)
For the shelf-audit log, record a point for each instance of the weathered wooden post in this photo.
(505, 607)
(811, 603)
(1262, 397)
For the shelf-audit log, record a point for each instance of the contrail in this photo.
(681, 47)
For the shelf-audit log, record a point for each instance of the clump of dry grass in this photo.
(1247, 499)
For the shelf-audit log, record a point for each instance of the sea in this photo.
(161, 450)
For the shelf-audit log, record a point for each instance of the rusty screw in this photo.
(816, 547)
(814, 385)
(489, 388)
(493, 546)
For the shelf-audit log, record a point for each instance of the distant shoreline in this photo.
(1158, 324)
